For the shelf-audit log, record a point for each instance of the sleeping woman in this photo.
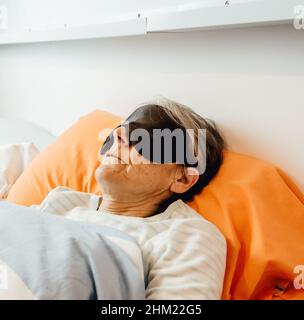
(150, 165)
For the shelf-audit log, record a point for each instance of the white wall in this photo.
(250, 81)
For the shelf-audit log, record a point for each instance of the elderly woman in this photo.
(145, 179)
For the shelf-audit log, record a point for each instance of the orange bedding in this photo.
(261, 213)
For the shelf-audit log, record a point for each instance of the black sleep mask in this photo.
(156, 136)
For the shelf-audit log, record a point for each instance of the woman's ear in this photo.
(185, 178)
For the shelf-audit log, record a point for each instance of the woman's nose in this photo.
(120, 136)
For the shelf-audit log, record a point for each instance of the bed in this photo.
(253, 203)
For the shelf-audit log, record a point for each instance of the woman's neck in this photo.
(130, 207)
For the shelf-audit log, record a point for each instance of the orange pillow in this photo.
(261, 213)
(258, 209)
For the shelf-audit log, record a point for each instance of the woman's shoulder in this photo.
(182, 213)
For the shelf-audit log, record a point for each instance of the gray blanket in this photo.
(44, 256)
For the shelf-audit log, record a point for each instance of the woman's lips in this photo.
(114, 156)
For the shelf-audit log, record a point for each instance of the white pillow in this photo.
(14, 130)
(13, 160)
